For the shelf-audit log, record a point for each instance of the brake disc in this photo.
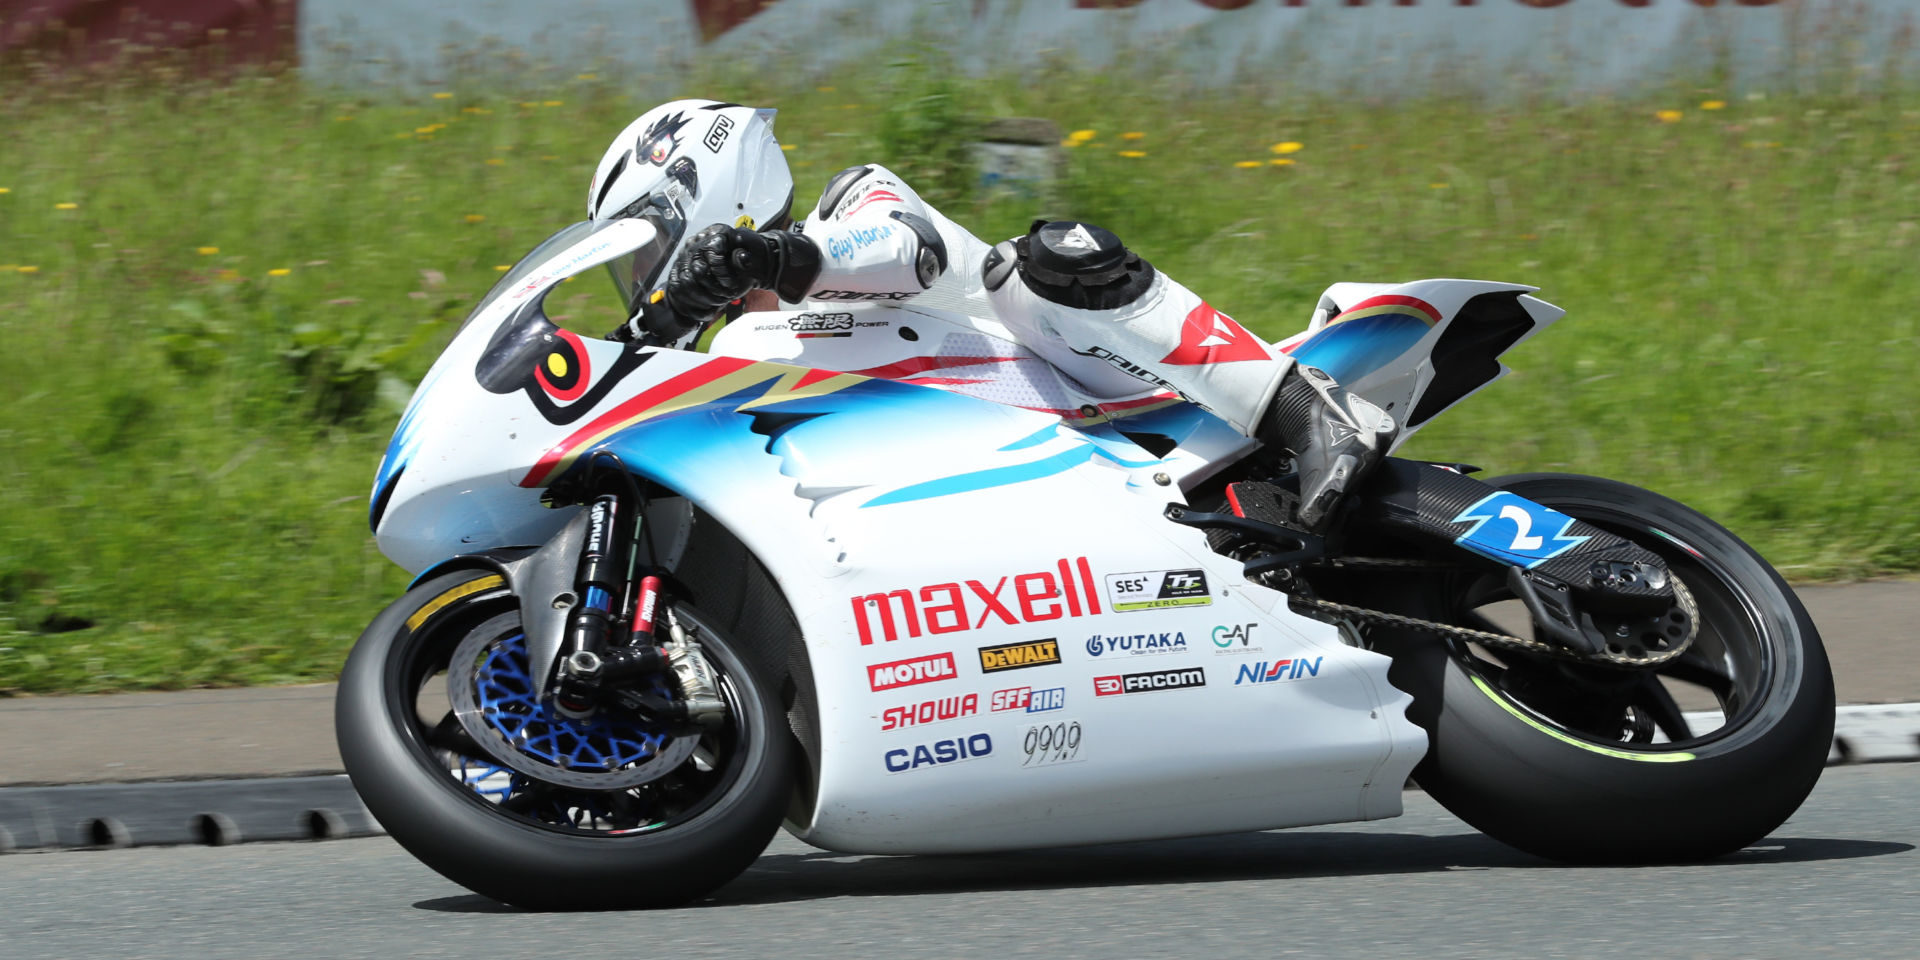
(491, 689)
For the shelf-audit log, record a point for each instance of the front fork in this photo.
(609, 641)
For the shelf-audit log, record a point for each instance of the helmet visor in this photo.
(639, 273)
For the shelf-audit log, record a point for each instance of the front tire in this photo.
(522, 854)
(1512, 757)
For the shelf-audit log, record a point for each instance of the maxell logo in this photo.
(904, 673)
(1143, 682)
(1260, 671)
(930, 711)
(950, 607)
(1014, 656)
(1028, 699)
(1153, 589)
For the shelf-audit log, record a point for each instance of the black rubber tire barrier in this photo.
(463, 837)
(1545, 796)
(216, 829)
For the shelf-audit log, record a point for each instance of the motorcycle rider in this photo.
(1072, 292)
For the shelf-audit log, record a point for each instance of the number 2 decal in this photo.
(1539, 533)
(1522, 522)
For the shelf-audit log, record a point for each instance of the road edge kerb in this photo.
(324, 807)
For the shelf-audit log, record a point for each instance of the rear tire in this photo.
(1511, 771)
(474, 842)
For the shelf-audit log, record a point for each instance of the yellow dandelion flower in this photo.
(1281, 161)
(1713, 104)
(1248, 164)
(553, 103)
(28, 269)
(1069, 144)
(1133, 153)
(1529, 236)
(496, 161)
(502, 267)
(1083, 135)
(1668, 116)
(825, 89)
(1288, 146)
(586, 76)
(443, 96)
(529, 103)
(476, 218)
(279, 272)
(66, 206)
(6, 189)
(206, 251)
(343, 118)
(426, 129)
(1438, 186)
(786, 146)
(1133, 135)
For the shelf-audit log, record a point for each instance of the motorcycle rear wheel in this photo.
(505, 835)
(1561, 760)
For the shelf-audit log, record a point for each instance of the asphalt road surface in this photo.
(1841, 879)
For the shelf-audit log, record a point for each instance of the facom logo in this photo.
(1028, 699)
(1143, 682)
(1137, 644)
(1035, 597)
(929, 711)
(939, 752)
(1261, 671)
(904, 673)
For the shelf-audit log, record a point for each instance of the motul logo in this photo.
(972, 604)
(905, 673)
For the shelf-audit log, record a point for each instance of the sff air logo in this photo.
(1028, 699)
(1261, 671)
(1016, 656)
(1144, 682)
(1156, 589)
(938, 753)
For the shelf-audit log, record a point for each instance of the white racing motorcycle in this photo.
(878, 572)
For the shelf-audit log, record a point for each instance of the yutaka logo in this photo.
(939, 752)
(1137, 644)
(930, 711)
(1036, 597)
(1261, 671)
(1143, 682)
(1028, 699)
(903, 673)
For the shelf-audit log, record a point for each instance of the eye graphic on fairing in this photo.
(661, 139)
(563, 373)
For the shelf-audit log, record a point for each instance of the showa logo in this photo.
(1261, 671)
(1028, 699)
(1234, 638)
(906, 673)
(971, 604)
(1137, 644)
(938, 753)
(930, 711)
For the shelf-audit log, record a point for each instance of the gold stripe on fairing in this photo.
(437, 603)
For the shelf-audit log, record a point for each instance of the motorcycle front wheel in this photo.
(1688, 760)
(550, 814)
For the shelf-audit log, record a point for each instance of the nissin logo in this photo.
(1261, 671)
(903, 673)
(938, 753)
(952, 607)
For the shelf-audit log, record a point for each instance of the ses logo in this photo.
(1155, 589)
(1261, 671)
(1028, 699)
(1145, 682)
(938, 753)
(1234, 638)
(1033, 598)
(906, 673)
(929, 711)
(1137, 644)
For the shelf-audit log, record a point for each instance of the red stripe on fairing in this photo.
(938, 381)
(657, 394)
(1393, 300)
(579, 383)
(912, 365)
(814, 376)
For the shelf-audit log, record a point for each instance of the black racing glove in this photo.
(720, 265)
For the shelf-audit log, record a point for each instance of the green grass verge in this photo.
(203, 354)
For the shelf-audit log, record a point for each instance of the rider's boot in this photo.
(1074, 294)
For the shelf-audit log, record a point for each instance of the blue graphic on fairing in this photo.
(400, 449)
(1354, 348)
(1002, 476)
(602, 744)
(1512, 529)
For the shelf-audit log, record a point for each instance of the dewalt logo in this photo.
(1013, 656)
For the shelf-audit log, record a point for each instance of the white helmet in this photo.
(686, 165)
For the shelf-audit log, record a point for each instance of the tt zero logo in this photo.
(929, 711)
(1143, 682)
(1015, 656)
(1153, 589)
(950, 607)
(1028, 699)
(939, 752)
(906, 673)
(1261, 671)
